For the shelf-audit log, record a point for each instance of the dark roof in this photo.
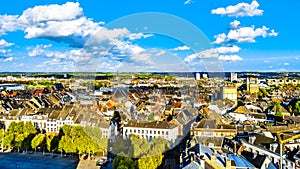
(207, 123)
(256, 161)
(54, 115)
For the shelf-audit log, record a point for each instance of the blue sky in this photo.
(192, 35)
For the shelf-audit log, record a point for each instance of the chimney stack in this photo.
(273, 146)
(228, 163)
(234, 147)
(252, 139)
(213, 158)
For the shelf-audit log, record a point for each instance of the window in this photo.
(158, 132)
(167, 133)
(162, 132)
(154, 132)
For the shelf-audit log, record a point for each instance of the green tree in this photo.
(145, 154)
(18, 140)
(297, 108)
(122, 161)
(29, 128)
(8, 140)
(26, 144)
(37, 141)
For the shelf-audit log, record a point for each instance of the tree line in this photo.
(70, 139)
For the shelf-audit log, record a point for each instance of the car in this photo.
(102, 162)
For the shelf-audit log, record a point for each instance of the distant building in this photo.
(233, 76)
(198, 77)
(12, 87)
(205, 75)
(229, 92)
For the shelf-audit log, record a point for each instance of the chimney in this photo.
(202, 162)
(273, 146)
(234, 147)
(228, 163)
(252, 139)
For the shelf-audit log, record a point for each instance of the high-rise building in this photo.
(198, 76)
(233, 76)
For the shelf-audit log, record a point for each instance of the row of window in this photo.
(52, 130)
(138, 131)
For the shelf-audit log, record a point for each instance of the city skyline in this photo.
(53, 36)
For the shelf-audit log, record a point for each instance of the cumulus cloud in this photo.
(181, 48)
(135, 36)
(4, 43)
(38, 50)
(244, 34)
(219, 53)
(9, 23)
(230, 58)
(160, 53)
(234, 24)
(286, 64)
(62, 23)
(240, 9)
(6, 59)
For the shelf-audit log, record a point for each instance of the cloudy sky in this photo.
(135, 35)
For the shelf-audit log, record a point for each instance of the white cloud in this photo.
(53, 12)
(63, 23)
(230, 58)
(9, 23)
(244, 34)
(240, 9)
(187, 2)
(135, 36)
(38, 50)
(234, 24)
(219, 53)
(4, 43)
(220, 38)
(160, 53)
(8, 59)
(4, 51)
(181, 48)
(273, 33)
(286, 64)
(228, 49)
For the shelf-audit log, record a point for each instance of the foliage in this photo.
(144, 154)
(71, 139)
(297, 108)
(278, 111)
(37, 140)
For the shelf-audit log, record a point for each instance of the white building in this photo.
(150, 130)
(233, 76)
(198, 76)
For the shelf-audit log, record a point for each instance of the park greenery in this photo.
(139, 153)
(70, 140)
